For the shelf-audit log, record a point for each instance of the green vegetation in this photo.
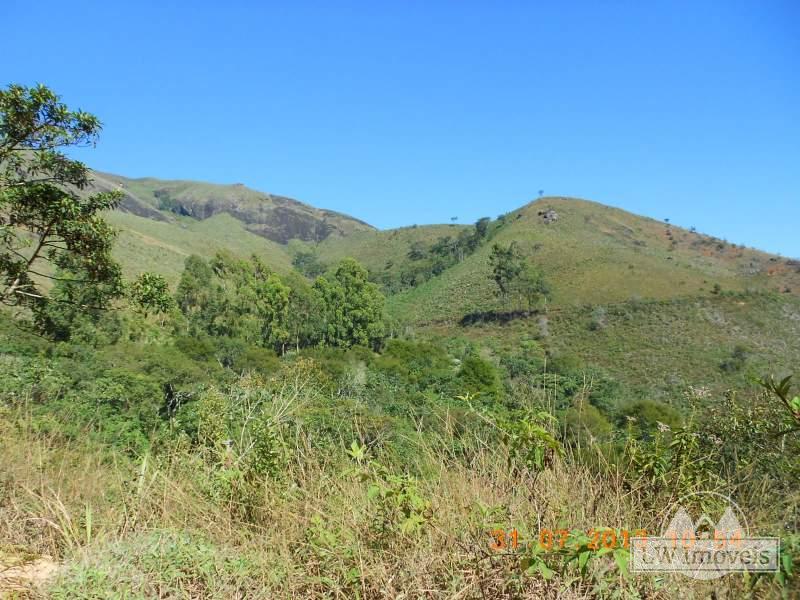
(43, 218)
(515, 277)
(594, 255)
(246, 303)
(350, 473)
(352, 307)
(147, 245)
(150, 294)
(306, 407)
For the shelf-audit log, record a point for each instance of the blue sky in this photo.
(417, 111)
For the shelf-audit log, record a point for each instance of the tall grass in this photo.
(147, 526)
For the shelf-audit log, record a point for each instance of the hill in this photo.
(594, 254)
(276, 218)
(161, 222)
(181, 435)
(589, 253)
(162, 246)
(655, 306)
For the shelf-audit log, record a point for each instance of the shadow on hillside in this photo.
(492, 316)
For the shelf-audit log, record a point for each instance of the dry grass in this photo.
(147, 528)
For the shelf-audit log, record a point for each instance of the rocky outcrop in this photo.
(548, 216)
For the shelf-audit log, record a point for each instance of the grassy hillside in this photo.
(591, 254)
(384, 253)
(274, 217)
(656, 307)
(657, 348)
(597, 254)
(147, 245)
(189, 454)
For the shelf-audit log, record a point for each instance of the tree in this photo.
(308, 264)
(237, 297)
(507, 264)
(273, 309)
(465, 244)
(515, 277)
(444, 247)
(242, 301)
(482, 227)
(46, 216)
(529, 286)
(194, 288)
(150, 294)
(79, 312)
(416, 251)
(352, 307)
(305, 310)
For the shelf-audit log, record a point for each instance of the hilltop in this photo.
(276, 218)
(595, 254)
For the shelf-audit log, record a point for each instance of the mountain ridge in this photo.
(591, 253)
(277, 218)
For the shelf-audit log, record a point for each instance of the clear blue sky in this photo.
(416, 111)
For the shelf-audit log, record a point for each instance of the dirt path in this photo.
(20, 577)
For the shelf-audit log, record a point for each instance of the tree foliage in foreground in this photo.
(44, 215)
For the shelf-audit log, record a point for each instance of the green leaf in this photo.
(373, 492)
(583, 559)
(546, 571)
(622, 558)
(412, 523)
(786, 559)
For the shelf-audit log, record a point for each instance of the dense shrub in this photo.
(585, 424)
(645, 416)
(480, 377)
(419, 364)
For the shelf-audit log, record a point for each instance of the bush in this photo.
(419, 364)
(196, 347)
(478, 376)
(122, 408)
(586, 424)
(736, 361)
(645, 416)
(528, 363)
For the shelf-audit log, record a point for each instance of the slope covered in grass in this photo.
(597, 254)
(161, 246)
(277, 218)
(657, 348)
(383, 252)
